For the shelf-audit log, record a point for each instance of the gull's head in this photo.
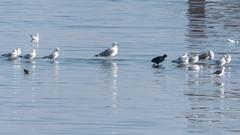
(37, 34)
(18, 51)
(34, 51)
(56, 50)
(211, 54)
(165, 55)
(115, 44)
(224, 57)
(185, 55)
(15, 51)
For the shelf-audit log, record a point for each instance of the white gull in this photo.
(31, 55)
(182, 60)
(35, 38)
(53, 55)
(110, 52)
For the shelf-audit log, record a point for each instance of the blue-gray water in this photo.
(124, 95)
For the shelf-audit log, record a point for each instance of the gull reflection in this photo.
(111, 68)
(56, 70)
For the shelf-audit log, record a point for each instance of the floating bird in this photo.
(35, 38)
(228, 58)
(19, 51)
(219, 72)
(54, 55)
(209, 55)
(182, 60)
(233, 41)
(31, 55)
(159, 59)
(221, 62)
(110, 52)
(12, 55)
(193, 59)
(27, 72)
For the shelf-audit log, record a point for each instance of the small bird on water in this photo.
(193, 59)
(219, 72)
(12, 55)
(159, 59)
(209, 55)
(31, 55)
(53, 55)
(182, 60)
(27, 72)
(35, 38)
(110, 52)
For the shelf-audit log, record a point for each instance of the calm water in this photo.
(125, 95)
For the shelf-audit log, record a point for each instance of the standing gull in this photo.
(159, 59)
(35, 38)
(193, 59)
(54, 55)
(219, 72)
(31, 55)
(221, 62)
(209, 55)
(19, 51)
(182, 60)
(110, 52)
(228, 58)
(233, 41)
(12, 55)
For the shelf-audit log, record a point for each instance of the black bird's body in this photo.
(26, 71)
(159, 59)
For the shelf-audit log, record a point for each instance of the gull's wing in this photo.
(217, 72)
(7, 54)
(49, 56)
(106, 53)
(27, 56)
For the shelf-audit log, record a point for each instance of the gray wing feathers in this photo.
(49, 56)
(27, 56)
(107, 52)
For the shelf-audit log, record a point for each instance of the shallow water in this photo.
(81, 94)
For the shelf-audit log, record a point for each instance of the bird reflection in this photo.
(56, 70)
(111, 67)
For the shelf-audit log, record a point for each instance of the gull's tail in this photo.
(45, 57)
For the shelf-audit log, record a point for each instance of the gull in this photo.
(193, 59)
(31, 55)
(182, 60)
(35, 38)
(18, 52)
(206, 55)
(228, 58)
(219, 72)
(110, 52)
(54, 55)
(232, 41)
(12, 55)
(221, 62)
(159, 59)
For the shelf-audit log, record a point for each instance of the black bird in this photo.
(26, 71)
(159, 59)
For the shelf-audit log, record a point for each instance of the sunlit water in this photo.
(124, 95)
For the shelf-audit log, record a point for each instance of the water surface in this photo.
(124, 95)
